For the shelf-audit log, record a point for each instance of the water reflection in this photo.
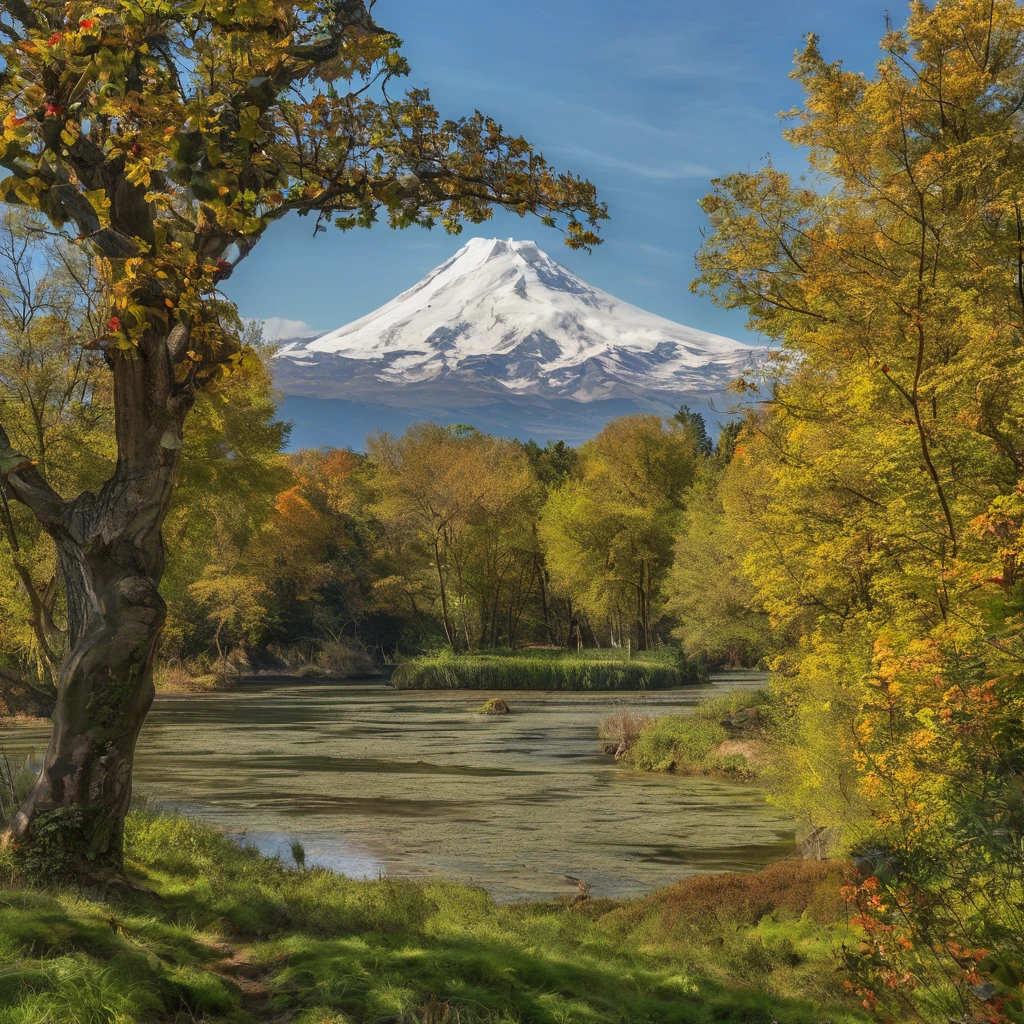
(374, 780)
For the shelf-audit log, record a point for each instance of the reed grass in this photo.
(624, 725)
(547, 670)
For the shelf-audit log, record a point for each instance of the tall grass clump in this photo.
(693, 744)
(624, 727)
(547, 670)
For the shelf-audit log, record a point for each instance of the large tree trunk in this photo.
(111, 558)
(74, 815)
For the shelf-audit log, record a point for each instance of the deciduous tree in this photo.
(884, 477)
(609, 533)
(168, 136)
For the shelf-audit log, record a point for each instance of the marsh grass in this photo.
(547, 670)
(624, 726)
(690, 744)
(325, 949)
(187, 677)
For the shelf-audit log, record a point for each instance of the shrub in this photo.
(494, 706)
(194, 676)
(344, 661)
(786, 890)
(681, 743)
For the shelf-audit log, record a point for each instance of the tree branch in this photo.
(28, 486)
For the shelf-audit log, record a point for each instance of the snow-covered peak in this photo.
(505, 313)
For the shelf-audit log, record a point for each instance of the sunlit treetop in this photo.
(170, 135)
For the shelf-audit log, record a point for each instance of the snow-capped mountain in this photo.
(501, 328)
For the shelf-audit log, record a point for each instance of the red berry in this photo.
(113, 324)
(86, 23)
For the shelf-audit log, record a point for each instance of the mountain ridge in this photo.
(502, 322)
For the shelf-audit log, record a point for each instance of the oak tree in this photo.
(167, 136)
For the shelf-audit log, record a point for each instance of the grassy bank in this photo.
(546, 670)
(699, 743)
(226, 935)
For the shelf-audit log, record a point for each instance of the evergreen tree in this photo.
(695, 423)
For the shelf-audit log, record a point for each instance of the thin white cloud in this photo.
(645, 282)
(685, 57)
(657, 170)
(275, 328)
(657, 250)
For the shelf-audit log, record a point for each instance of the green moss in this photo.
(107, 706)
(68, 843)
(319, 948)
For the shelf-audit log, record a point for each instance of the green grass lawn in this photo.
(546, 670)
(225, 934)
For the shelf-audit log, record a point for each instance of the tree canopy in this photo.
(881, 494)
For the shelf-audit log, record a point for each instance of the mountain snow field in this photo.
(502, 322)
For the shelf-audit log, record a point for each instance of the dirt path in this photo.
(248, 979)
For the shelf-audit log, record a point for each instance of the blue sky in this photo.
(648, 99)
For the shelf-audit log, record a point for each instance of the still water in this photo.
(411, 784)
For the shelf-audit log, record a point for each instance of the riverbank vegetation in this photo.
(220, 933)
(722, 736)
(547, 670)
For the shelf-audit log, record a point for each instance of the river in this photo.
(409, 783)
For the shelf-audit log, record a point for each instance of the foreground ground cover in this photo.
(542, 669)
(219, 933)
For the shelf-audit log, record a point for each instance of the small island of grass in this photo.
(722, 736)
(547, 669)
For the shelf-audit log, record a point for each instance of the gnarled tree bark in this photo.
(111, 558)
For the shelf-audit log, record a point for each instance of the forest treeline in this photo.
(333, 560)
